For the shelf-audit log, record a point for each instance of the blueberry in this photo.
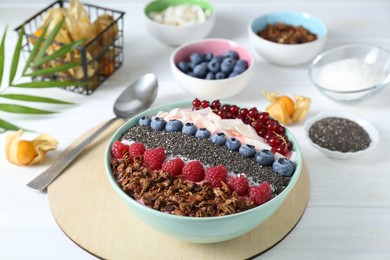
(202, 133)
(189, 129)
(174, 125)
(210, 75)
(283, 166)
(238, 69)
(208, 56)
(265, 157)
(227, 65)
(233, 74)
(196, 58)
(158, 123)
(232, 54)
(233, 144)
(190, 73)
(220, 75)
(242, 63)
(145, 121)
(219, 139)
(214, 66)
(218, 58)
(200, 70)
(247, 150)
(184, 66)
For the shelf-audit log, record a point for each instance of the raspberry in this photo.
(118, 149)
(136, 149)
(173, 166)
(215, 175)
(239, 184)
(154, 158)
(260, 194)
(193, 171)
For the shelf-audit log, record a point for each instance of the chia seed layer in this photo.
(207, 152)
(339, 134)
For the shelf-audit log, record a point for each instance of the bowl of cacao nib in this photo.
(341, 134)
(212, 68)
(181, 170)
(287, 38)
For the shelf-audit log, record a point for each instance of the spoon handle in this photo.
(43, 180)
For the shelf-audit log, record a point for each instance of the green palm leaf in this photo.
(48, 84)
(34, 51)
(31, 98)
(60, 52)
(53, 70)
(2, 47)
(15, 58)
(7, 126)
(13, 108)
(48, 41)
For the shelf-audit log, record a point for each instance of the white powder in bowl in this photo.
(349, 75)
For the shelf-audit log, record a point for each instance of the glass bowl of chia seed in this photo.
(341, 134)
(195, 229)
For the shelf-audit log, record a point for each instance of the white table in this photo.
(348, 215)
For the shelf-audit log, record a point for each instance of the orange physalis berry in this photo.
(287, 103)
(25, 152)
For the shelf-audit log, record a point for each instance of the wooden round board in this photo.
(92, 215)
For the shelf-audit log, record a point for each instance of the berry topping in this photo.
(193, 171)
(239, 184)
(189, 129)
(154, 158)
(283, 166)
(219, 139)
(202, 133)
(215, 175)
(233, 144)
(174, 125)
(118, 149)
(145, 120)
(265, 157)
(158, 123)
(247, 150)
(174, 166)
(260, 194)
(136, 149)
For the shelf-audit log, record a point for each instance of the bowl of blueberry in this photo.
(212, 68)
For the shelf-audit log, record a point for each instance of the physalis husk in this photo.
(286, 110)
(23, 152)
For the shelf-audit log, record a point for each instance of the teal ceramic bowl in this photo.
(177, 35)
(198, 229)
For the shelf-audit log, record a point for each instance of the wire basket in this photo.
(100, 57)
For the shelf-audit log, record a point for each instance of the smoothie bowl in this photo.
(199, 175)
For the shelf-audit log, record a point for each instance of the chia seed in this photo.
(210, 154)
(339, 134)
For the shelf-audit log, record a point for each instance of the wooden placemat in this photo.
(91, 214)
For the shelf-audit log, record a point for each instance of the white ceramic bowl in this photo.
(212, 89)
(287, 54)
(368, 127)
(198, 229)
(177, 35)
(370, 55)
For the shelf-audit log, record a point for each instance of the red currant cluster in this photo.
(268, 128)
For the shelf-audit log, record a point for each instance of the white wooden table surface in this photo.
(348, 215)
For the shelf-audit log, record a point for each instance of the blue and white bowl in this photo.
(287, 54)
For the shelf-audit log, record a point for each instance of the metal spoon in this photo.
(134, 99)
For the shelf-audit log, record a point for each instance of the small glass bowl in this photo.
(368, 127)
(370, 54)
